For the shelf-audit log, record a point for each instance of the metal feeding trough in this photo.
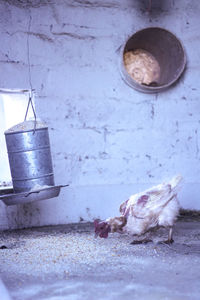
(30, 164)
(152, 60)
(9, 197)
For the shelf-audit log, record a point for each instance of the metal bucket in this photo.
(167, 51)
(29, 158)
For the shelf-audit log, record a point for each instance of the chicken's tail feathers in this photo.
(175, 181)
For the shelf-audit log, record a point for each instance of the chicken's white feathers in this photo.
(155, 206)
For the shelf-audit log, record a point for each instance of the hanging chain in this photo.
(29, 76)
(28, 51)
(31, 102)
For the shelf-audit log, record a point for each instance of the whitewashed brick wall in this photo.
(107, 140)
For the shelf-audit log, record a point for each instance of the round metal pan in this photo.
(10, 198)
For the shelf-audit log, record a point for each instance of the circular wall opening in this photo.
(152, 60)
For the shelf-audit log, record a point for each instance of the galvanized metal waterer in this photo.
(30, 162)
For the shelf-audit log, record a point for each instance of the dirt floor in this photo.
(67, 262)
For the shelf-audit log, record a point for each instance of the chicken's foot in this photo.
(144, 241)
(170, 239)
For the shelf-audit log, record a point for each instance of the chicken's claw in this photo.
(167, 242)
(144, 241)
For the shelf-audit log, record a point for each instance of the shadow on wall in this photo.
(154, 6)
(26, 215)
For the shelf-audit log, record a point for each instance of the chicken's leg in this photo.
(170, 239)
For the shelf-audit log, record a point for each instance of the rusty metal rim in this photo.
(149, 89)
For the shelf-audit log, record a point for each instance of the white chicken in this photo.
(155, 207)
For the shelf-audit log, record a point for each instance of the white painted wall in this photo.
(107, 140)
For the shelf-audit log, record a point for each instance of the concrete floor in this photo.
(67, 262)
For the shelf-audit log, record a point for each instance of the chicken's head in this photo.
(102, 228)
